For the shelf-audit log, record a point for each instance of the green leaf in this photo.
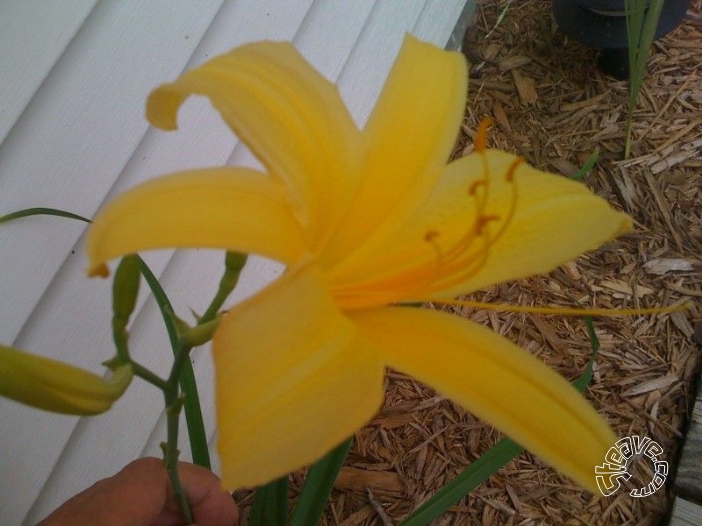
(584, 379)
(641, 24)
(500, 17)
(489, 463)
(42, 212)
(478, 472)
(589, 164)
(318, 485)
(270, 505)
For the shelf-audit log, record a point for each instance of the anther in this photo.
(431, 236)
(473, 189)
(483, 221)
(481, 134)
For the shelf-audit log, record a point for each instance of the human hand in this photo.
(141, 495)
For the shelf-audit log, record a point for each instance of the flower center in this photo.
(455, 261)
(467, 256)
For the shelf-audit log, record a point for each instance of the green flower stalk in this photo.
(56, 386)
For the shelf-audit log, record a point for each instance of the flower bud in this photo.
(58, 387)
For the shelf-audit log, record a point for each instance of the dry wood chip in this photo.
(378, 507)
(358, 517)
(515, 499)
(392, 422)
(526, 87)
(623, 287)
(664, 208)
(680, 321)
(500, 116)
(651, 385)
(548, 333)
(587, 103)
(512, 62)
(660, 266)
(382, 482)
(672, 160)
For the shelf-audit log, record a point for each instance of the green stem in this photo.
(148, 376)
(174, 403)
(188, 385)
(182, 357)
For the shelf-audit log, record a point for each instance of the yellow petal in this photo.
(554, 220)
(293, 380)
(235, 209)
(497, 381)
(409, 137)
(291, 117)
(58, 387)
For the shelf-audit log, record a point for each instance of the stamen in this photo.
(458, 260)
(483, 221)
(565, 311)
(513, 168)
(481, 134)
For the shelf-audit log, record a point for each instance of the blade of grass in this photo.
(589, 164)
(42, 212)
(500, 17)
(318, 485)
(270, 505)
(490, 462)
(641, 24)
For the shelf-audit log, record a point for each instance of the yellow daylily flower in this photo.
(56, 386)
(364, 220)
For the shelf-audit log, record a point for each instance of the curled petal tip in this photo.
(100, 270)
(627, 225)
(162, 107)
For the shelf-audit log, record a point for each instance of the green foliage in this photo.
(318, 485)
(641, 24)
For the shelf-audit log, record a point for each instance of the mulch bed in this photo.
(553, 107)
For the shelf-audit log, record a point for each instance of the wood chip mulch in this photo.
(552, 106)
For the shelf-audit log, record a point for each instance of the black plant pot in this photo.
(602, 24)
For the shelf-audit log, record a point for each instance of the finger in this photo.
(210, 504)
(133, 497)
(141, 495)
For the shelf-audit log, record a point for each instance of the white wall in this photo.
(74, 75)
